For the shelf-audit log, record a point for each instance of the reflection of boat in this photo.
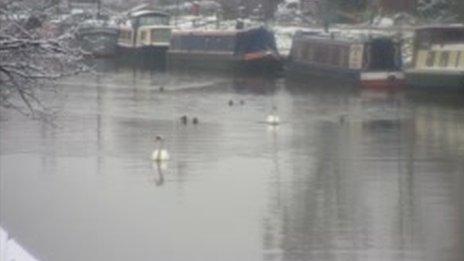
(254, 84)
(371, 62)
(382, 109)
(97, 38)
(438, 60)
(252, 50)
(146, 35)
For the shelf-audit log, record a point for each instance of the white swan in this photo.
(160, 154)
(273, 119)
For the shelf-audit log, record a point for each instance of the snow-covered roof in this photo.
(338, 36)
(148, 12)
(203, 32)
(441, 26)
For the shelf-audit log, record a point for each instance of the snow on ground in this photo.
(11, 250)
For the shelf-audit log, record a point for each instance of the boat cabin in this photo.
(328, 55)
(146, 29)
(98, 39)
(438, 58)
(439, 48)
(239, 43)
(374, 54)
(220, 48)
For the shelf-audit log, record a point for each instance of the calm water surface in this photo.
(384, 184)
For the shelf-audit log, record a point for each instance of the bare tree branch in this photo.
(29, 62)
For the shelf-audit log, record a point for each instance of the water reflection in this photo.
(356, 192)
(159, 168)
(349, 175)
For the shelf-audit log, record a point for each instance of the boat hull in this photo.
(145, 56)
(382, 80)
(226, 62)
(435, 80)
(304, 71)
(366, 79)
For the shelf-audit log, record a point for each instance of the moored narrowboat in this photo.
(252, 50)
(97, 38)
(370, 62)
(438, 58)
(145, 36)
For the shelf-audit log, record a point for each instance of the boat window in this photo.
(430, 60)
(458, 58)
(216, 43)
(154, 20)
(143, 36)
(125, 35)
(444, 59)
(222, 43)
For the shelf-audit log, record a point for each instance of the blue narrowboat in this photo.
(370, 62)
(251, 50)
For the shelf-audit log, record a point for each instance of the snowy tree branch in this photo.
(29, 61)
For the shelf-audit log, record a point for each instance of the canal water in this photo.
(350, 174)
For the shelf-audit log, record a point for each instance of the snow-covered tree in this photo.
(441, 10)
(31, 59)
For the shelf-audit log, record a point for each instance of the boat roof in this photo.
(441, 27)
(324, 37)
(148, 13)
(214, 32)
(337, 38)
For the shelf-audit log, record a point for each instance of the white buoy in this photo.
(160, 154)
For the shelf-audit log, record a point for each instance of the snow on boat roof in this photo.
(439, 27)
(202, 32)
(147, 12)
(334, 37)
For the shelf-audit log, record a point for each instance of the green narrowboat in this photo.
(438, 58)
(144, 38)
